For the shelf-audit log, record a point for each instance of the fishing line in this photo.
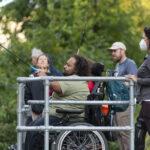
(17, 57)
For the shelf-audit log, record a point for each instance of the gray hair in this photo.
(36, 52)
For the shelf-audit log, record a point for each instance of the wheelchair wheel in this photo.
(81, 140)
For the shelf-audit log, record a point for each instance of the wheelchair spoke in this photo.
(81, 140)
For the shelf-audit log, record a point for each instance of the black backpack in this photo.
(93, 114)
(91, 111)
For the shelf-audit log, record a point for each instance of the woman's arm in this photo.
(141, 81)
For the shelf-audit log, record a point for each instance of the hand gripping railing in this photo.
(46, 127)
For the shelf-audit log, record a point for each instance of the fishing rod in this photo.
(19, 58)
(83, 33)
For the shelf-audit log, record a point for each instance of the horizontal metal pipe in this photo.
(73, 128)
(66, 102)
(52, 78)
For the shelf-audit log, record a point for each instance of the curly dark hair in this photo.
(147, 32)
(97, 69)
(82, 66)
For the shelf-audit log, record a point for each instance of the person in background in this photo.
(124, 66)
(34, 56)
(34, 90)
(143, 93)
(96, 70)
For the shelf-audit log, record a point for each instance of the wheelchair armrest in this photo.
(63, 111)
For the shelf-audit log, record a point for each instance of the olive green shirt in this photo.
(71, 90)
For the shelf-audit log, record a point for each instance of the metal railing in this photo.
(46, 127)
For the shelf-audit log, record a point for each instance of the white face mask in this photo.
(143, 45)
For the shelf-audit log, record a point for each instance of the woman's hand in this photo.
(132, 77)
(41, 73)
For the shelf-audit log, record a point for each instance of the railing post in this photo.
(132, 103)
(19, 111)
(46, 115)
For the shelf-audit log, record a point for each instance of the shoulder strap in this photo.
(97, 84)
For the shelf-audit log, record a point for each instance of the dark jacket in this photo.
(143, 82)
(52, 69)
(55, 72)
(35, 91)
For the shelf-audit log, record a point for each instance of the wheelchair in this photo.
(80, 140)
(71, 140)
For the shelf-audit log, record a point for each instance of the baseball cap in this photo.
(117, 45)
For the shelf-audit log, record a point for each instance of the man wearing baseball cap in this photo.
(124, 66)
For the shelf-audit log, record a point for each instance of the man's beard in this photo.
(117, 59)
(65, 74)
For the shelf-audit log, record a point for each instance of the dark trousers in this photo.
(35, 139)
(142, 126)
